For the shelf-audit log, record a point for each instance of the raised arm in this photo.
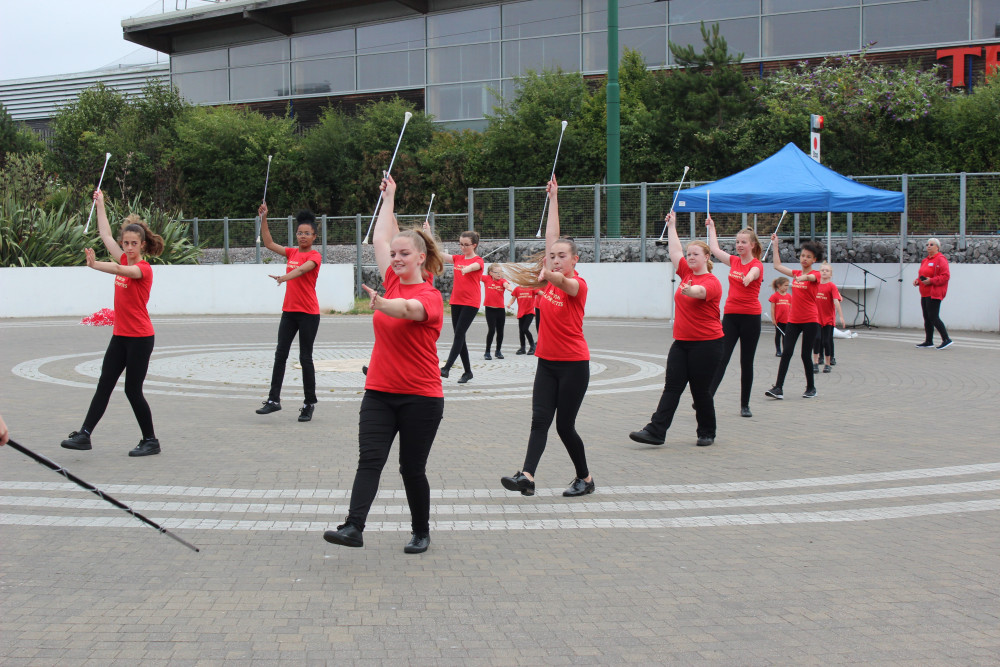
(713, 242)
(674, 247)
(386, 226)
(778, 266)
(104, 228)
(265, 232)
(552, 223)
(447, 259)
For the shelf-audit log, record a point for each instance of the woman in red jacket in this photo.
(132, 339)
(403, 386)
(563, 370)
(698, 341)
(932, 279)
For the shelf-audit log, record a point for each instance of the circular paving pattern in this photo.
(241, 370)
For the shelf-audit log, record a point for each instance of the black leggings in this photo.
(494, 320)
(461, 319)
(415, 419)
(792, 331)
(932, 319)
(824, 341)
(778, 328)
(558, 393)
(306, 325)
(524, 330)
(129, 354)
(538, 319)
(745, 329)
(689, 362)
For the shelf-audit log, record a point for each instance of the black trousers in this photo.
(689, 362)
(524, 330)
(792, 331)
(932, 319)
(461, 319)
(416, 420)
(495, 318)
(306, 325)
(558, 393)
(778, 328)
(131, 355)
(744, 329)
(823, 346)
(538, 319)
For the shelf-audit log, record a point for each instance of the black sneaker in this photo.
(822, 361)
(531, 350)
(364, 370)
(778, 353)
(827, 369)
(519, 482)
(833, 361)
(498, 355)
(645, 437)
(945, 344)
(809, 393)
(346, 535)
(705, 441)
(76, 440)
(445, 371)
(924, 345)
(745, 411)
(815, 368)
(269, 407)
(578, 487)
(465, 377)
(520, 351)
(146, 447)
(487, 356)
(306, 412)
(417, 544)
(775, 392)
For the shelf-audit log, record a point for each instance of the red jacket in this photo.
(936, 269)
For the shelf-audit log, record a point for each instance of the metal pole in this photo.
(358, 278)
(597, 223)
(694, 232)
(642, 221)
(961, 210)
(471, 201)
(613, 125)
(291, 232)
(902, 244)
(796, 230)
(194, 229)
(257, 242)
(850, 230)
(511, 222)
(323, 223)
(225, 240)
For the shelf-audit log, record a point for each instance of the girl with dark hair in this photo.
(563, 370)
(299, 313)
(804, 318)
(698, 340)
(403, 386)
(741, 321)
(132, 338)
(495, 284)
(466, 297)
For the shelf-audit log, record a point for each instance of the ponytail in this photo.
(153, 241)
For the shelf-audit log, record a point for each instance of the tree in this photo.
(15, 138)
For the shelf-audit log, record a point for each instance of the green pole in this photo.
(614, 125)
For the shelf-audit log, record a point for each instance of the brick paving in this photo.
(857, 527)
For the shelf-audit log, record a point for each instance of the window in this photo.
(263, 81)
(540, 17)
(650, 42)
(741, 36)
(468, 27)
(461, 102)
(395, 36)
(544, 53)
(259, 53)
(329, 75)
(463, 63)
(391, 70)
(985, 19)
(203, 87)
(199, 62)
(778, 6)
(681, 11)
(339, 43)
(631, 14)
(810, 32)
(913, 23)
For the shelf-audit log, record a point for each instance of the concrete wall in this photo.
(616, 290)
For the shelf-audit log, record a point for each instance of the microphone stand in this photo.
(863, 303)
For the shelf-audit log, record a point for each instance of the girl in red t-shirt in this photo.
(563, 369)
(132, 339)
(525, 298)
(827, 302)
(495, 312)
(698, 341)
(466, 297)
(781, 308)
(403, 385)
(300, 312)
(741, 321)
(804, 317)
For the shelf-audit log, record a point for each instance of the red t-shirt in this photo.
(744, 299)
(825, 296)
(131, 297)
(560, 335)
(804, 299)
(525, 300)
(782, 306)
(300, 293)
(405, 358)
(494, 291)
(697, 319)
(465, 288)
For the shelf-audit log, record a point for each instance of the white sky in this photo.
(46, 37)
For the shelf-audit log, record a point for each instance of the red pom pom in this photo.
(105, 317)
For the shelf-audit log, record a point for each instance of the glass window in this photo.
(650, 42)
(461, 102)
(538, 54)
(474, 25)
(391, 70)
(985, 19)
(699, 10)
(395, 36)
(256, 54)
(199, 62)
(540, 17)
(329, 75)
(631, 14)
(263, 81)
(741, 36)
(339, 43)
(777, 6)
(914, 23)
(471, 62)
(203, 87)
(810, 32)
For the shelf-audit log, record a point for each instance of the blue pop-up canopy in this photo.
(788, 180)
